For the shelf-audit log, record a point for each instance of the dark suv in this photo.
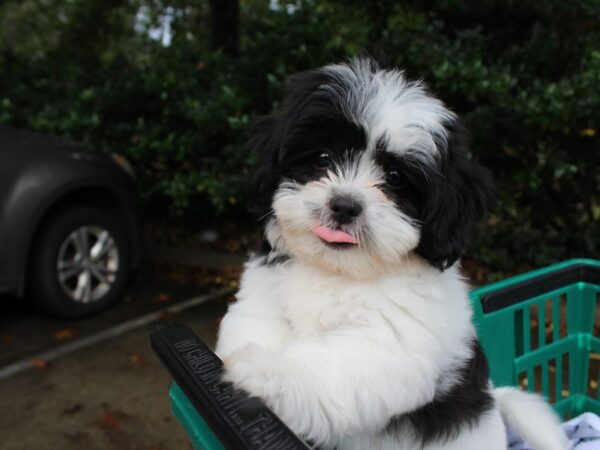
(69, 223)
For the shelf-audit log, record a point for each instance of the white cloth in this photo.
(583, 432)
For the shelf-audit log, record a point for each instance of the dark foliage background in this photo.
(173, 87)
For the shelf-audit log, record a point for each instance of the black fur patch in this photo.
(461, 194)
(410, 195)
(270, 257)
(289, 141)
(445, 417)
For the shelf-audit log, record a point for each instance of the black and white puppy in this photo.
(354, 326)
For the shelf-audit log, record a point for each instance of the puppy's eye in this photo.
(394, 178)
(323, 159)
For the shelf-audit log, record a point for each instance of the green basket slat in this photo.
(197, 429)
(543, 354)
(525, 324)
(563, 407)
(590, 404)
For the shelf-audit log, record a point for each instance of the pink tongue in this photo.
(333, 236)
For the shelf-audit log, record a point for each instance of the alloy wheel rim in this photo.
(87, 264)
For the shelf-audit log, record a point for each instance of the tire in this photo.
(63, 282)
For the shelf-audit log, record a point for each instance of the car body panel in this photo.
(36, 173)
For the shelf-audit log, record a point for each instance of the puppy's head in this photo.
(361, 168)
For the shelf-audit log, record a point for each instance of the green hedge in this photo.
(524, 75)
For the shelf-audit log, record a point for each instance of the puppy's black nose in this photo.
(345, 208)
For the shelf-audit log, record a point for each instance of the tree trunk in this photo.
(225, 25)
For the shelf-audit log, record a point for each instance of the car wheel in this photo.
(78, 264)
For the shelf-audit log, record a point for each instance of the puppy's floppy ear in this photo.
(463, 193)
(264, 142)
(268, 134)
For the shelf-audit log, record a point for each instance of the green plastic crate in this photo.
(560, 356)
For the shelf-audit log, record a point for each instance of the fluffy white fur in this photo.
(340, 341)
(329, 354)
(528, 415)
(337, 358)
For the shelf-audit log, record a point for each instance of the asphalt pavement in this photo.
(110, 394)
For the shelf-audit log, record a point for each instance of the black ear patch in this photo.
(267, 135)
(264, 142)
(463, 193)
(309, 121)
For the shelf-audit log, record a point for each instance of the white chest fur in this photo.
(417, 308)
(295, 332)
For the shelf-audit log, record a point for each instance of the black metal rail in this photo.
(503, 298)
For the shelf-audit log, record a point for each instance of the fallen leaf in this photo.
(39, 363)
(162, 297)
(136, 358)
(109, 421)
(588, 132)
(64, 334)
(70, 410)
